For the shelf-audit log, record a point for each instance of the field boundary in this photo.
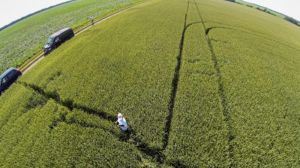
(24, 68)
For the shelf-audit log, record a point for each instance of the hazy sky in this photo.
(287, 7)
(11, 10)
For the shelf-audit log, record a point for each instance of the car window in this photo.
(57, 40)
(50, 40)
(4, 80)
(11, 75)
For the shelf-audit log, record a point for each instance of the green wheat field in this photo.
(203, 83)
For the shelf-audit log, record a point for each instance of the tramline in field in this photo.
(195, 91)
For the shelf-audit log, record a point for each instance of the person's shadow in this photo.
(126, 135)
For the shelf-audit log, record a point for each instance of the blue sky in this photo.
(11, 10)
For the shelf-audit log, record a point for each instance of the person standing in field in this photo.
(91, 19)
(122, 123)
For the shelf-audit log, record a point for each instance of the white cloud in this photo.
(11, 10)
(287, 7)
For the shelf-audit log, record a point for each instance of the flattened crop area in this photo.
(194, 88)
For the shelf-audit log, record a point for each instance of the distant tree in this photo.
(265, 10)
(230, 0)
(261, 9)
(292, 20)
(269, 12)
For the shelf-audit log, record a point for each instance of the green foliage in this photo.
(236, 103)
(13, 105)
(133, 76)
(260, 86)
(86, 147)
(34, 143)
(36, 100)
(292, 20)
(199, 133)
(84, 119)
(26, 38)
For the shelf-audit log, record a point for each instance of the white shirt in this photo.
(123, 123)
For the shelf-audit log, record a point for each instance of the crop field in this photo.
(201, 83)
(26, 38)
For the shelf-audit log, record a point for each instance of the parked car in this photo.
(57, 39)
(8, 78)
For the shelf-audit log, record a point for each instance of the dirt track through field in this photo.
(40, 57)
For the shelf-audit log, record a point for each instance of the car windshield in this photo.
(50, 40)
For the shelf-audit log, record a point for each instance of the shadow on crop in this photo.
(127, 137)
(34, 101)
(130, 137)
(174, 87)
(177, 164)
(69, 103)
(221, 89)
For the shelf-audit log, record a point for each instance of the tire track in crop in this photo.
(143, 147)
(243, 30)
(221, 90)
(251, 32)
(216, 27)
(29, 106)
(68, 102)
(175, 80)
(224, 102)
(130, 138)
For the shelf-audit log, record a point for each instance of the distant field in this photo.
(252, 5)
(269, 11)
(22, 40)
(202, 84)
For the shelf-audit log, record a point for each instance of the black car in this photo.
(58, 38)
(8, 78)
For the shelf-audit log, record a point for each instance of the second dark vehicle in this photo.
(8, 78)
(58, 38)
